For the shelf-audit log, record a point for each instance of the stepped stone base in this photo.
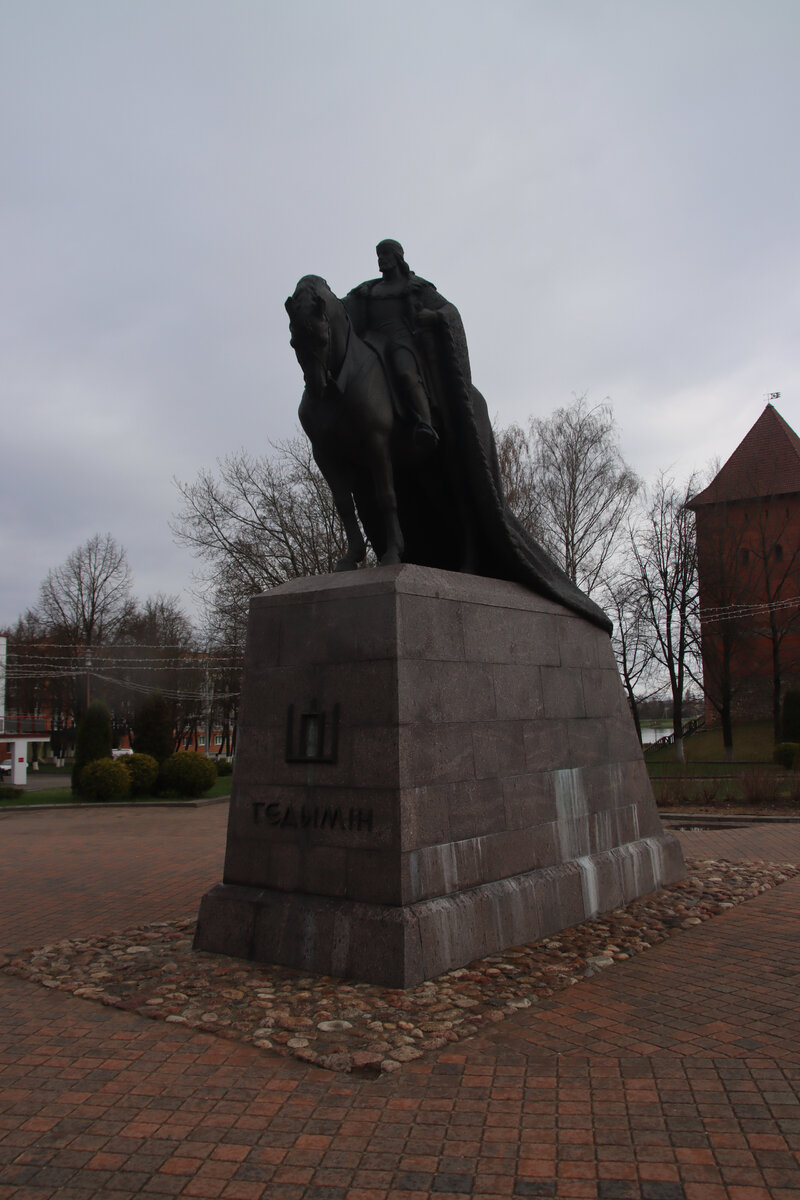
(430, 767)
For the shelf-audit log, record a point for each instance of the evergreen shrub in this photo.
(93, 740)
(790, 725)
(223, 767)
(187, 773)
(152, 728)
(142, 773)
(785, 754)
(104, 779)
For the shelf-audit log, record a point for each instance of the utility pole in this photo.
(209, 697)
(3, 643)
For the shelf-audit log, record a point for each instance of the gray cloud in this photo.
(607, 190)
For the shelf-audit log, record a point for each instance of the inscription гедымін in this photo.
(288, 816)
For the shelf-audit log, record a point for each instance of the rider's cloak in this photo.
(452, 507)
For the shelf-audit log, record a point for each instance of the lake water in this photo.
(651, 733)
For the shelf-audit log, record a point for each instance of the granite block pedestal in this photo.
(430, 767)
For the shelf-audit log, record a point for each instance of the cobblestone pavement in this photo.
(673, 1075)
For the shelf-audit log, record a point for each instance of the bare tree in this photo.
(664, 555)
(155, 650)
(224, 629)
(260, 521)
(86, 601)
(632, 640)
(584, 488)
(515, 459)
(160, 622)
(88, 598)
(26, 672)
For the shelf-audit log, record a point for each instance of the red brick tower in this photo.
(748, 547)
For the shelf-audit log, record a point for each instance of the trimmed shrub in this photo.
(187, 773)
(104, 779)
(790, 725)
(93, 740)
(142, 772)
(785, 754)
(223, 767)
(152, 729)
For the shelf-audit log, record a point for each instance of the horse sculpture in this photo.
(348, 414)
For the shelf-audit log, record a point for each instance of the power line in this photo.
(735, 611)
(45, 672)
(81, 646)
(170, 695)
(118, 652)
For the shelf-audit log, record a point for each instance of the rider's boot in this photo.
(424, 436)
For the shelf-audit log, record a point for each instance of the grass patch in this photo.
(752, 743)
(705, 770)
(705, 781)
(64, 796)
(755, 788)
(16, 798)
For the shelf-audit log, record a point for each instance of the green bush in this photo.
(785, 754)
(93, 740)
(187, 773)
(152, 728)
(223, 767)
(104, 779)
(790, 725)
(142, 772)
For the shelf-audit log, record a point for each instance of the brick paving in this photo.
(73, 872)
(673, 1076)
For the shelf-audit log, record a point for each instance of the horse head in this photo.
(348, 414)
(309, 309)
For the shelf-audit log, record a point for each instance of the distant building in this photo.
(45, 682)
(748, 548)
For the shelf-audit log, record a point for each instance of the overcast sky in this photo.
(607, 190)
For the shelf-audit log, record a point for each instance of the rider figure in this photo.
(388, 313)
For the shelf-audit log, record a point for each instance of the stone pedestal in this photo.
(430, 767)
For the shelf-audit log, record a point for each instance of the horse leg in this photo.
(339, 483)
(380, 463)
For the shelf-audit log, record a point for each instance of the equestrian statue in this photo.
(403, 437)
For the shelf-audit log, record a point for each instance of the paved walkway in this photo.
(673, 1076)
(77, 871)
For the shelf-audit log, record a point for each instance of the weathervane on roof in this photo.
(773, 396)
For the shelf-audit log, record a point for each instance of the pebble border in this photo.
(346, 1026)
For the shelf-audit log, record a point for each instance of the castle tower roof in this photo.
(765, 463)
